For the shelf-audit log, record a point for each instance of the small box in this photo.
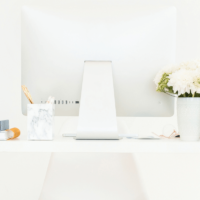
(40, 121)
(4, 125)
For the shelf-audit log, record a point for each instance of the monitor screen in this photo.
(139, 41)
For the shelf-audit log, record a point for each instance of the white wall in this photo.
(164, 176)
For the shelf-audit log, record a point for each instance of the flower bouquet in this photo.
(183, 81)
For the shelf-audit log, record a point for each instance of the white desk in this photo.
(63, 144)
(44, 166)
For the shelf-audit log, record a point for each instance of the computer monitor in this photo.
(122, 46)
(139, 41)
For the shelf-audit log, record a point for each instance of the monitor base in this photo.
(69, 128)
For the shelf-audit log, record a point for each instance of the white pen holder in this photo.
(40, 121)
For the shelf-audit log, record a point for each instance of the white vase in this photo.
(188, 113)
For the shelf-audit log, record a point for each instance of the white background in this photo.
(163, 176)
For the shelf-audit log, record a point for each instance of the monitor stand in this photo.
(97, 113)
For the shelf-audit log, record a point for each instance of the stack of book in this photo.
(6, 133)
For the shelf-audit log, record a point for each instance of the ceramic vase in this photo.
(188, 113)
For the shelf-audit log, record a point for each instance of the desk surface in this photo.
(63, 144)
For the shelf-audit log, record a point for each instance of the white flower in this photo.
(182, 77)
(197, 81)
(196, 85)
(182, 81)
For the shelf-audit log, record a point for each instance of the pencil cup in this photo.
(40, 119)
